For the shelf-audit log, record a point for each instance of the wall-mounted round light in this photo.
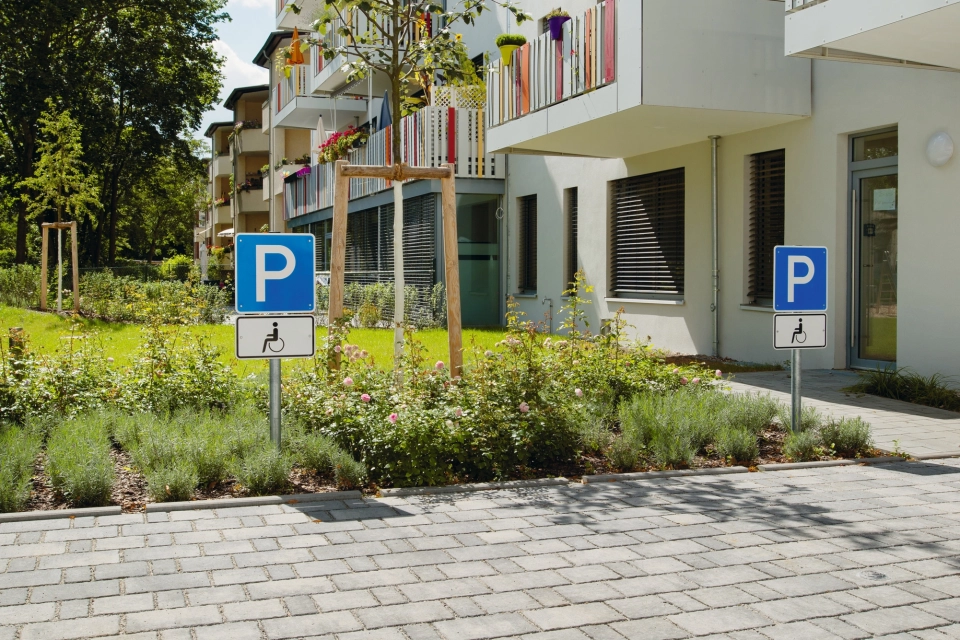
(939, 148)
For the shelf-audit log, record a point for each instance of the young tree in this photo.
(394, 38)
(60, 181)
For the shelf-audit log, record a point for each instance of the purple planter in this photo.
(556, 26)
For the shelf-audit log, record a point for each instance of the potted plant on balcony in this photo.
(508, 43)
(555, 20)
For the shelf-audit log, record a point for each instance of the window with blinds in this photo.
(767, 171)
(571, 229)
(527, 280)
(647, 235)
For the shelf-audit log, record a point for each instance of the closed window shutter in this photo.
(767, 171)
(572, 206)
(528, 245)
(647, 243)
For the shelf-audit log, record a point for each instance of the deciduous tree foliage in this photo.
(136, 75)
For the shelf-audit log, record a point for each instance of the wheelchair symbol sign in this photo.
(800, 331)
(265, 337)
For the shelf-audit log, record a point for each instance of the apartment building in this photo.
(844, 143)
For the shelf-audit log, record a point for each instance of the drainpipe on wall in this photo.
(715, 220)
(271, 173)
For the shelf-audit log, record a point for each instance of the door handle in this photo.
(854, 227)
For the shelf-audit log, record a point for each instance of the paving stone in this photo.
(166, 583)
(172, 618)
(893, 620)
(72, 629)
(643, 607)
(230, 631)
(481, 627)
(719, 620)
(75, 591)
(123, 604)
(257, 610)
(807, 585)
(805, 630)
(303, 626)
(650, 629)
(283, 588)
(27, 613)
(802, 608)
(949, 610)
(573, 616)
(345, 600)
(215, 595)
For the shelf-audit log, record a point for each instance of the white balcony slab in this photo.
(222, 166)
(252, 202)
(922, 32)
(288, 19)
(303, 112)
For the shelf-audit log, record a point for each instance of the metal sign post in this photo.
(799, 286)
(275, 274)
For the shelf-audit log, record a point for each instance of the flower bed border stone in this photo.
(254, 501)
(88, 512)
(936, 456)
(644, 475)
(786, 466)
(479, 486)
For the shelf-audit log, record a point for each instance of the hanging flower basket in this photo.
(508, 43)
(556, 26)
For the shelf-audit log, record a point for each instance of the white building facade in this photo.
(810, 152)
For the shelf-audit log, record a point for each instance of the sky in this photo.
(240, 39)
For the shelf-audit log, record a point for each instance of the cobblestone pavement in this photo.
(844, 552)
(918, 430)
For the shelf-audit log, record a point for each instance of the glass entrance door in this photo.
(479, 248)
(874, 340)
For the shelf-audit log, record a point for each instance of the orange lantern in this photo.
(296, 56)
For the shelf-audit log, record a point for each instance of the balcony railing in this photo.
(796, 5)
(545, 72)
(281, 5)
(290, 87)
(431, 137)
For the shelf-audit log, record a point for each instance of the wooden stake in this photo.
(388, 173)
(341, 199)
(76, 268)
(43, 267)
(451, 260)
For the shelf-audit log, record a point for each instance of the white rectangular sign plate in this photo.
(800, 331)
(264, 337)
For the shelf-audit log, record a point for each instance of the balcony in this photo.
(281, 174)
(223, 214)
(289, 19)
(222, 165)
(628, 78)
(251, 141)
(915, 33)
(431, 137)
(251, 202)
(296, 108)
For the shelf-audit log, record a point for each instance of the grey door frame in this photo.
(858, 171)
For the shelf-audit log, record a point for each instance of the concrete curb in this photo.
(652, 475)
(938, 456)
(480, 486)
(90, 512)
(786, 466)
(259, 501)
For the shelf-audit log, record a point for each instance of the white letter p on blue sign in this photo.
(276, 273)
(800, 279)
(263, 274)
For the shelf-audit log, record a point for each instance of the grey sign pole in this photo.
(795, 400)
(275, 401)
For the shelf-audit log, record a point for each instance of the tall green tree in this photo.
(135, 73)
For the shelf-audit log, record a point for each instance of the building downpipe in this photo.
(715, 223)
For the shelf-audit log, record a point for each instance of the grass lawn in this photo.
(47, 332)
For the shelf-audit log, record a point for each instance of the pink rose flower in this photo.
(683, 380)
(364, 354)
(524, 407)
(365, 397)
(488, 353)
(348, 381)
(439, 365)
(579, 392)
(718, 373)
(458, 412)
(337, 349)
(676, 371)
(695, 381)
(393, 418)
(109, 359)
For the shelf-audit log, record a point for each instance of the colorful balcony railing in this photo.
(431, 137)
(290, 87)
(545, 72)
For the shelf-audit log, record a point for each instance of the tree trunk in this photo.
(398, 279)
(113, 215)
(26, 170)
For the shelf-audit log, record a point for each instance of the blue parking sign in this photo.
(275, 273)
(799, 279)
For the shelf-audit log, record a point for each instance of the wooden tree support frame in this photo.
(55, 226)
(446, 174)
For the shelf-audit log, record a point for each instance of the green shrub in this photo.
(264, 470)
(623, 454)
(810, 418)
(908, 386)
(849, 437)
(172, 481)
(127, 299)
(738, 444)
(79, 463)
(672, 447)
(754, 412)
(347, 472)
(20, 285)
(802, 446)
(178, 268)
(18, 451)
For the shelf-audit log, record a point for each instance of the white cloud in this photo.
(253, 4)
(237, 71)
